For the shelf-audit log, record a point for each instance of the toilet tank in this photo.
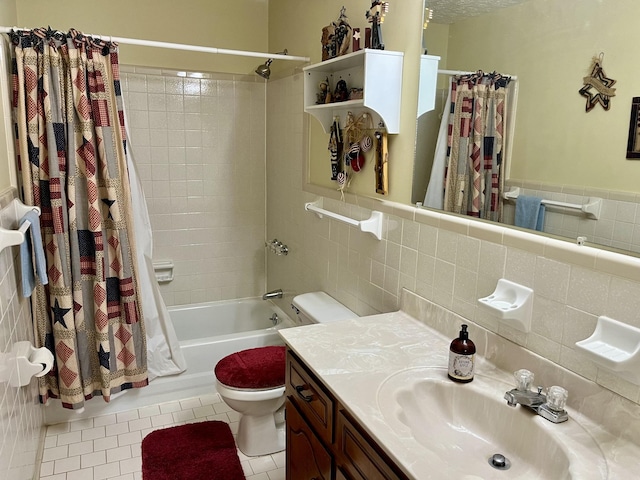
(319, 307)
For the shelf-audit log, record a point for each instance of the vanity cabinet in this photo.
(324, 441)
(377, 72)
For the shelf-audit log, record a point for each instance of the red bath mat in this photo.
(196, 451)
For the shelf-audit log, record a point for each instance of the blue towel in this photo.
(529, 213)
(32, 238)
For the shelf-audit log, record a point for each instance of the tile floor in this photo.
(108, 447)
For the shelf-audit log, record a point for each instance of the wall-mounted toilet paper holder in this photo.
(23, 362)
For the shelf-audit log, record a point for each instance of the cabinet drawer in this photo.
(315, 404)
(358, 455)
(306, 456)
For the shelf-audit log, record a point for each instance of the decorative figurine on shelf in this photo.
(375, 15)
(321, 96)
(342, 92)
(336, 37)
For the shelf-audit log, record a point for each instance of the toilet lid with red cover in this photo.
(262, 367)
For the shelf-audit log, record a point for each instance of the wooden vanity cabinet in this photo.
(323, 440)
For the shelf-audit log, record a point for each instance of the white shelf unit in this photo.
(377, 72)
(428, 83)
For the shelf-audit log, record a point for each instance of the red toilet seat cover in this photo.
(262, 367)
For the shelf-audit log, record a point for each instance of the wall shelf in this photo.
(377, 72)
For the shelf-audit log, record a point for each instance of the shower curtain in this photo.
(473, 131)
(71, 154)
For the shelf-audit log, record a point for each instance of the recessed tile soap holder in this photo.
(511, 303)
(614, 346)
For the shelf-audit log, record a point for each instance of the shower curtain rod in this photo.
(181, 46)
(462, 72)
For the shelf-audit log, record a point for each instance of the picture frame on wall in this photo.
(633, 143)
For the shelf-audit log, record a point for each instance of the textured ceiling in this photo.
(452, 11)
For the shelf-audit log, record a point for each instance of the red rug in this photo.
(196, 451)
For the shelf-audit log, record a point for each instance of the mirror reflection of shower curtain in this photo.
(434, 197)
(164, 356)
(469, 163)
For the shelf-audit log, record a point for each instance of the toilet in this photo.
(252, 381)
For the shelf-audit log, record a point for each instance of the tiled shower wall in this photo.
(451, 261)
(21, 417)
(198, 141)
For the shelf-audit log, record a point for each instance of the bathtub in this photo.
(207, 332)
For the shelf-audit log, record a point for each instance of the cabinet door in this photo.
(359, 456)
(307, 459)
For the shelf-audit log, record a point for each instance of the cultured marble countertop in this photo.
(355, 357)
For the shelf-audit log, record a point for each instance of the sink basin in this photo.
(455, 429)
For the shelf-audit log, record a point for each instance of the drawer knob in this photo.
(300, 389)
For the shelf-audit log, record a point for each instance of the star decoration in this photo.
(103, 357)
(356, 35)
(597, 87)
(59, 313)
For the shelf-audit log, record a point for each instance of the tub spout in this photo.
(273, 294)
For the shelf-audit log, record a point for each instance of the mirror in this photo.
(560, 151)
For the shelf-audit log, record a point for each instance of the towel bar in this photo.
(590, 209)
(10, 216)
(372, 225)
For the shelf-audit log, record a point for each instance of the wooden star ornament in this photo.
(597, 86)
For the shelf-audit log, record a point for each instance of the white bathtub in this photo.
(207, 332)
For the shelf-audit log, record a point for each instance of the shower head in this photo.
(263, 70)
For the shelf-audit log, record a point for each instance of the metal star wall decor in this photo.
(597, 86)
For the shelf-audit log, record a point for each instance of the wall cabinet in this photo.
(377, 72)
(323, 440)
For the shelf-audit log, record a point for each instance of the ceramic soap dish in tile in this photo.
(511, 303)
(614, 346)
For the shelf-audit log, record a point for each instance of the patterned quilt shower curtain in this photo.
(476, 145)
(71, 144)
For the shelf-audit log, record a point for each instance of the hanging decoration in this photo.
(336, 37)
(597, 86)
(335, 148)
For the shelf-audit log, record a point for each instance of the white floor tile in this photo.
(108, 447)
(93, 433)
(262, 464)
(120, 453)
(82, 474)
(93, 459)
(104, 420)
(108, 470)
(66, 464)
(140, 424)
(117, 429)
(55, 453)
(131, 465)
(105, 443)
(81, 448)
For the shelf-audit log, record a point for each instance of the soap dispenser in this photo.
(462, 353)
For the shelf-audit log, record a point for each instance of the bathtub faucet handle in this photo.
(273, 294)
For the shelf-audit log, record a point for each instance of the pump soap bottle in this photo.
(462, 358)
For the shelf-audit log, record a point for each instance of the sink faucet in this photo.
(549, 406)
(273, 294)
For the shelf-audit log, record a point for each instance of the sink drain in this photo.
(499, 462)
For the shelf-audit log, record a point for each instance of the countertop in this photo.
(354, 358)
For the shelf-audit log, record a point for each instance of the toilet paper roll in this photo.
(43, 357)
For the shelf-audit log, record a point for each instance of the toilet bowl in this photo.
(252, 382)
